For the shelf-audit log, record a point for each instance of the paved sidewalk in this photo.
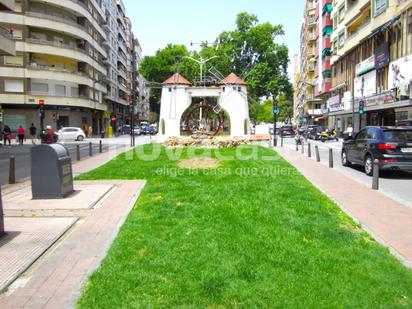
(389, 222)
(55, 280)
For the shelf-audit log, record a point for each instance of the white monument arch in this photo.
(177, 95)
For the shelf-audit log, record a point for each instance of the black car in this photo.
(392, 146)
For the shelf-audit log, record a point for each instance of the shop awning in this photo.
(385, 26)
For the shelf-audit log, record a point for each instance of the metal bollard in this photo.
(330, 158)
(12, 170)
(281, 141)
(100, 147)
(297, 146)
(90, 149)
(375, 179)
(303, 147)
(2, 232)
(317, 153)
(309, 150)
(78, 152)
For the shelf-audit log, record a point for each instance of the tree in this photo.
(250, 51)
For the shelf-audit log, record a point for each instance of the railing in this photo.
(6, 32)
(55, 18)
(361, 27)
(41, 67)
(56, 44)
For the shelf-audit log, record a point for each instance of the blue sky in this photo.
(157, 23)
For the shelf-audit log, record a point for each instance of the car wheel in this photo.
(368, 165)
(80, 138)
(345, 161)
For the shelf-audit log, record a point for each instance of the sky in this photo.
(157, 23)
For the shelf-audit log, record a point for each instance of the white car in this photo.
(73, 134)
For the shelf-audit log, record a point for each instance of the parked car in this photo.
(287, 130)
(73, 134)
(313, 132)
(137, 130)
(392, 146)
(125, 129)
(148, 130)
(405, 123)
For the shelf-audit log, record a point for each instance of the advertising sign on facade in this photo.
(365, 85)
(400, 75)
(347, 100)
(382, 98)
(382, 56)
(334, 104)
(365, 66)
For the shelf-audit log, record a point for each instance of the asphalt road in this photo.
(394, 184)
(22, 157)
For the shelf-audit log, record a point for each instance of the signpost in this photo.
(275, 120)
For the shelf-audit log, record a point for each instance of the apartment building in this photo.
(70, 53)
(7, 44)
(314, 82)
(371, 62)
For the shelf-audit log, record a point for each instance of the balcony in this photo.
(34, 45)
(106, 27)
(36, 66)
(106, 44)
(311, 36)
(310, 52)
(354, 10)
(327, 66)
(326, 44)
(327, 21)
(7, 43)
(311, 21)
(122, 74)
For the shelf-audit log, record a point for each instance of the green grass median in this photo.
(251, 232)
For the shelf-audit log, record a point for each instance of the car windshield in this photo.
(397, 136)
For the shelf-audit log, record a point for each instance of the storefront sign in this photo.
(365, 85)
(382, 98)
(400, 75)
(334, 104)
(347, 100)
(382, 56)
(365, 66)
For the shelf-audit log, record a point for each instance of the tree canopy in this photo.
(250, 51)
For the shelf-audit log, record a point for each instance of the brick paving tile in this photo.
(27, 239)
(56, 281)
(388, 221)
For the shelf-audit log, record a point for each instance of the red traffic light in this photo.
(113, 118)
(41, 102)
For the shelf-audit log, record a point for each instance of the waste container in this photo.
(51, 172)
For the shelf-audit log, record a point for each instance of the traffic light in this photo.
(41, 103)
(361, 107)
(275, 107)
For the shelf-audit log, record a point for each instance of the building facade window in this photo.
(14, 86)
